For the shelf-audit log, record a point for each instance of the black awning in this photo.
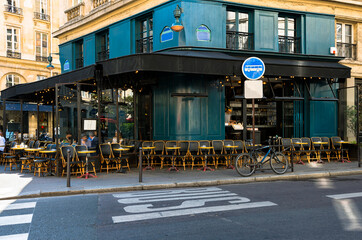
(21, 90)
(219, 63)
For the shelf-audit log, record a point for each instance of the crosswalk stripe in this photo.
(165, 214)
(17, 206)
(23, 236)
(15, 219)
(345, 196)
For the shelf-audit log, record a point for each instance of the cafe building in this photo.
(168, 71)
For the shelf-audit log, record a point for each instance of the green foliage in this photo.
(351, 114)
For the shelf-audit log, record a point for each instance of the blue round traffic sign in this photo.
(253, 68)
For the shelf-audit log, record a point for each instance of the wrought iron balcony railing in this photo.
(144, 45)
(347, 50)
(41, 58)
(41, 16)
(239, 40)
(12, 54)
(103, 55)
(289, 44)
(13, 9)
(79, 62)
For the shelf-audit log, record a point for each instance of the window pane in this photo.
(230, 21)
(291, 24)
(281, 26)
(243, 22)
(348, 30)
(339, 32)
(291, 33)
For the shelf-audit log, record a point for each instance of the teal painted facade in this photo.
(177, 118)
(188, 118)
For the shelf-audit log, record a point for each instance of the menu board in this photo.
(90, 125)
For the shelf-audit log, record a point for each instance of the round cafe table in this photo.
(342, 158)
(49, 153)
(86, 175)
(205, 167)
(300, 146)
(123, 149)
(148, 150)
(319, 150)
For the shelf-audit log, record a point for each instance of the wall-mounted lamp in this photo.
(50, 59)
(177, 26)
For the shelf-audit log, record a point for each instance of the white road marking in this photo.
(23, 236)
(346, 195)
(186, 204)
(16, 206)
(172, 198)
(348, 214)
(165, 214)
(15, 219)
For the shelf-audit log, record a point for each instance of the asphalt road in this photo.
(313, 209)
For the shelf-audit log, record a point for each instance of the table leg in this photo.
(87, 174)
(230, 166)
(342, 158)
(148, 167)
(205, 167)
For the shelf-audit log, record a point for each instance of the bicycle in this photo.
(246, 163)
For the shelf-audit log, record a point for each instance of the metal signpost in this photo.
(253, 69)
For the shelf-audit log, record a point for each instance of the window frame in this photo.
(12, 39)
(13, 83)
(148, 18)
(41, 43)
(343, 32)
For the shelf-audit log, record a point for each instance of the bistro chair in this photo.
(338, 148)
(240, 146)
(307, 148)
(207, 153)
(194, 152)
(119, 156)
(82, 158)
(218, 151)
(108, 161)
(183, 152)
(298, 148)
(31, 143)
(229, 152)
(10, 158)
(171, 154)
(146, 153)
(158, 153)
(76, 167)
(326, 148)
(317, 147)
(287, 147)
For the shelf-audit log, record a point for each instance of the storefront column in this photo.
(79, 121)
(98, 76)
(57, 129)
(245, 119)
(117, 115)
(53, 122)
(21, 120)
(37, 121)
(4, 118)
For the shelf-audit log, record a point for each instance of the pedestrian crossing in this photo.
(15, 220)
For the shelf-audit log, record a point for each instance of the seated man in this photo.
(85, 141)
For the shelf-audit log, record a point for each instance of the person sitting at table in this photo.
(2, 143)
(69, 138)
(94, 141)
(85, 141)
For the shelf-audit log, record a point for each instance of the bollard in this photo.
(140, 164)
(291, 158)
(68, 168)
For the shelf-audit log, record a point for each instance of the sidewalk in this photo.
(15, 185)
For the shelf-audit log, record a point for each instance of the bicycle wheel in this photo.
(279, 163)
(245, 165)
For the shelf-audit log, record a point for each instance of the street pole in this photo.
(140, 164)
(68, 168)
(253, 113)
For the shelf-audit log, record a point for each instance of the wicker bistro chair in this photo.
(183, 152)
(31, 143)
(120, 158)
(194, 153)
(287, 147)
(326, 153)
(108, 161)
(171, 154)
(298, 148)
(82, 158)
(146, 154)
(338, 148)
(10, 158)
(308, 151)
(207, 153)
(241, 146)
(158, 153)
(218, 152)
(229, 152)
(76, 167)
(317, 147)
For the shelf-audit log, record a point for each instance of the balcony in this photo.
(79, 62)
(144, 45)
(347, 50)
(239, 40)
(41, 16)
(11, 54)
(97, 3)
(41, 59)
(13, 9)
(289, 44)
(75, 12)
(103, 55)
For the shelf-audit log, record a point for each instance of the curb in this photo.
(139, 187)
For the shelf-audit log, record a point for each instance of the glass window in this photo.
(144, 37)
(103, 46)
(40, 77)
(243, 22)
(42, 44)
(203, 33)
(237, 30)
(12, 39)
(79, 54)
(348, 33)
(12, 80)
(231, 21)
(339, 32)
(41, 6)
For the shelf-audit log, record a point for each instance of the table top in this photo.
(127, 146)
(148, 148)
(320, 142)
(173, 148)
(33, 149)
(48, 151)
(342, 141)
(18, 148)
(121, 149)
(205, 147)
(230, 146)
(301, 143)
(88, 151)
